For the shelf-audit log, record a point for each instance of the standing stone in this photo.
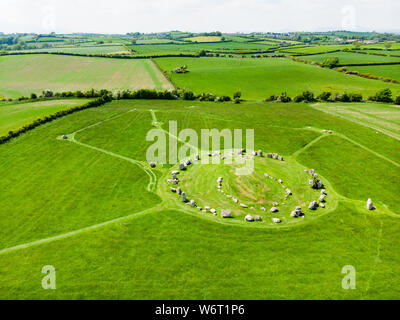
(311, 172)
(276, 220)
(213, 211)
(207, 208)
(192, 203)
(294, 214)
(263, 209)
(152, 164)
(260, 153)
(175, 172)
(235, 200)
(174, 177)
(182, 166)
(322, 205)
(197, 158)
(254, 153)
(226, 213)
(173, 190)
(184, 199)
(280, 158)
(249, 218)
(274, 209)
(323, 191)
(269, 155)
(275, 156)
(258, 218)
(370, 204)
(289, 192)
(243, 205)
(313, 205)
(322, 198)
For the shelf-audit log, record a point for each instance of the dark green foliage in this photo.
(324, 96)
(384, 95)
(397, 100)
(355, 97)
(284, 98)
(237, 94)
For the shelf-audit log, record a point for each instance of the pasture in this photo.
(112, 234)
(257, 79)
(105, 49)
(388, 71)
(21, 75)
(352, 58)
(16, 115)
(204, 39)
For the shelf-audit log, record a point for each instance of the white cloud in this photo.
(121, 16)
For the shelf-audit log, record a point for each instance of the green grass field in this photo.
(15, 116)
(259, 78)
(21, 75)
(113, 230)
(352, 58)
(389, 71)
(316, 49)
(105, 49)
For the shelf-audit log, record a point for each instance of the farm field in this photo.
(257, 79)
(352, 58)
(204, 39)
(389, 71)
(21, 75)
(15, 116)
(105, 217)
(316, 49)
(83, 49)
(382, 118)
(193, 48)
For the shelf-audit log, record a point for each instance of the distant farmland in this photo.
(21, 75)
(259, 78)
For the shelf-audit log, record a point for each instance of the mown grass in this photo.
(51, 187)
(82, 50)
(316, 49)
(15, 116)
(259, 78)
(21, 75)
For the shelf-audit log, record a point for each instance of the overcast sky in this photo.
(122, 16)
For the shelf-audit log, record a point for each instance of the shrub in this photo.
(237, 94)
(236, 100)
(324, 96)
(284, 98)
(298, 98)
(397, 100)
(188, 95)
(355, 97)
(271, 98)
(384, 95)
(33, 96)
(342, 97)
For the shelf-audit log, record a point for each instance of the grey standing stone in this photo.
(152, 164)
(226, 213)
(192, 203)
(258, 218)
(274, 209)
(276, 220)
(269, 155)
(370, 204)
(249, 218)
(184, 199)
(243, 205)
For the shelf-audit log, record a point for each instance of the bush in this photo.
(188, 95)
(236, 100)
(271, 98)
(306, 96)
(342, 97)
(384, 95)
(237, 95)
(355, 97)
(397, 100)
(33, 96)
(284, 98)
(324, 96)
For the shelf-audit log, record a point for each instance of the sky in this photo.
(146, 16)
